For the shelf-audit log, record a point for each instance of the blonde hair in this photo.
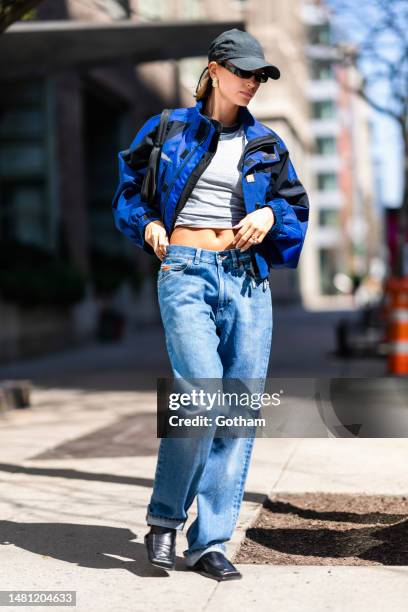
(204, 85)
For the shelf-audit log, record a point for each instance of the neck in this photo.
(222, 110)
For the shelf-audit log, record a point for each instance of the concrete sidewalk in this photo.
(77, 471)
(76, 521)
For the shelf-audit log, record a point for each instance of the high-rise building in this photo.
(347, 225)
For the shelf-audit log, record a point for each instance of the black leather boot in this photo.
(161, 546)
(215, 565)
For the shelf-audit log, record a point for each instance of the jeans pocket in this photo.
(171, 267)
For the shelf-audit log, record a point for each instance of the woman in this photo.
(229, 207)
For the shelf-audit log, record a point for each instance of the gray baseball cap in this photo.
(241, 49)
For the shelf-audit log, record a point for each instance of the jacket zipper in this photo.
(196, 173)
(181, 168)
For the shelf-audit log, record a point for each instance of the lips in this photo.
(244, 93)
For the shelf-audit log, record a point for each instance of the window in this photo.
(25, 211)
(101, 147)
(328, 217)
(322, 71)
(320, 34)
(328, 268)
(326, 145)
(327, 181)
(324, 109)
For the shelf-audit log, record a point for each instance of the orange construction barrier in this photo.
(397, 327)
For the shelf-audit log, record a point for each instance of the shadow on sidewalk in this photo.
(100, 477)
(92, 546)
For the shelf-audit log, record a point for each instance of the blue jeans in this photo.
(217, 317)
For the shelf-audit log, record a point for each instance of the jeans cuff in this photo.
(165, 522)
(192, 557)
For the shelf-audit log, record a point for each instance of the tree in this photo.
(13, 10)
(376, 42)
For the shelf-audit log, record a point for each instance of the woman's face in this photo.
(235, 89)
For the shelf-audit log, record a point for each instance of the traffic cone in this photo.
(397, 328)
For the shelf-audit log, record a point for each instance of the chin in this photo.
(242, 102)
(245, 101)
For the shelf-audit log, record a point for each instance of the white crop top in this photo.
(216, 200)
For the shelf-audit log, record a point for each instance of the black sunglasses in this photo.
(261, 77)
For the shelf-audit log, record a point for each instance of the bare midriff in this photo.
(206, 238)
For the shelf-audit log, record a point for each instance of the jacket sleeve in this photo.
(290, 204)
(131, 214)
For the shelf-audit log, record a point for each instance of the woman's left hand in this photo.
(254, 225)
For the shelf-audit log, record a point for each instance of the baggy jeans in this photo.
(217, 317)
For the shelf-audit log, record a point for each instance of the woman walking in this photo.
(229, 207)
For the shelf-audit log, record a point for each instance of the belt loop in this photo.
(197, 255)
(235, 259)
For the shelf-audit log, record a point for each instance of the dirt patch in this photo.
(328, 529)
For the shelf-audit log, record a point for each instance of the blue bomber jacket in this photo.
(268, 179)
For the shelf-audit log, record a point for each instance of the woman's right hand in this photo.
(156, 236)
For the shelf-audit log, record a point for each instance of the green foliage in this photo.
(15, 10)
(28, 16)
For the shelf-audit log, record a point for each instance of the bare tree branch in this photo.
(378, 49)
(391, 19)
(360, 91)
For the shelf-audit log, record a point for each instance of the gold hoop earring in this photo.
(215, 82)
